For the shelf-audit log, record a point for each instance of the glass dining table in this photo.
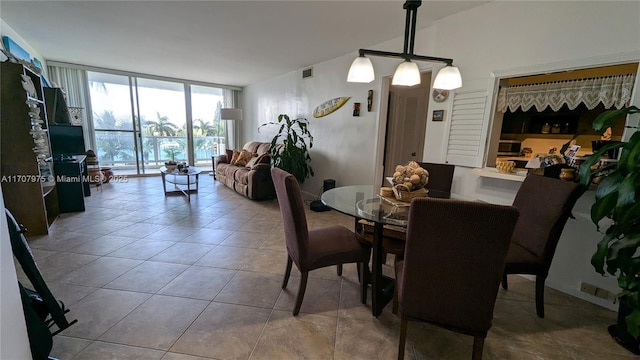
(363, 202)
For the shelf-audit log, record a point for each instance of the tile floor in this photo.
(150, 276)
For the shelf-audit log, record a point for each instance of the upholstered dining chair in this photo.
(440, 176)
(317, 248)
(453, 262)
(545, 205)
(440, 179)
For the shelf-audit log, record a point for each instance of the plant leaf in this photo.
(603, 207)
(608, 118)
(597, 260)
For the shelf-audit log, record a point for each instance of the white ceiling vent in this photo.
(307, 73)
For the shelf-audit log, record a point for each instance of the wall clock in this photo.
(440, 95)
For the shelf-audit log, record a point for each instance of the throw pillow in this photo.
(234, 158)
(243, 158)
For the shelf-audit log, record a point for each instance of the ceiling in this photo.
(225, 42)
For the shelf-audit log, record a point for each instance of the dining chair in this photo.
(454, 259)
(545, 205)
(440, 179)
(317, 248)
(440, 176)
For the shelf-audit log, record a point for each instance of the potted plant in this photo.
(292, 155)
(618, 199)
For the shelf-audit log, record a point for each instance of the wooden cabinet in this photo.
(28, 182)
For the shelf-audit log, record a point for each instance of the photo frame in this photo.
(438, 115)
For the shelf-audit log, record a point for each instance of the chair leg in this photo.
(505, 284)
(364, 281)
(394, 309)
(303, 286)
(339, 269)
(478, 345)
(403, 337)
(540, 295)
(287, 272)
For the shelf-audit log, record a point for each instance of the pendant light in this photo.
(407, 73)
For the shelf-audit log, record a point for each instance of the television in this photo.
(66, 140)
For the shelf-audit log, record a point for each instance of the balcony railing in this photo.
(116, 149)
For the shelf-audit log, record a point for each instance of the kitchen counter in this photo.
(517, 174)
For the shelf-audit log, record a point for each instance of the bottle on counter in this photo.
(555, 129)
(546, 128)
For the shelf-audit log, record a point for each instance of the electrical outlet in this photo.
(597, 292)
(589, 289)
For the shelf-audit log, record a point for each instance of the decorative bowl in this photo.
(505, 166)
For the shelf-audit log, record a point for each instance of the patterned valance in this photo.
(612, 91)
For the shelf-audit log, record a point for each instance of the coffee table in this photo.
(178, 179)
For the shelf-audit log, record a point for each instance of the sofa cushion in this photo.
(254, 160)
(241, 175)
(263, 148)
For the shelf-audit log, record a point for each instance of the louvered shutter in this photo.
(467, 130)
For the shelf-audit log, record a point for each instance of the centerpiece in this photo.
(409, 181)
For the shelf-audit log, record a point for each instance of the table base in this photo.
(180, 180)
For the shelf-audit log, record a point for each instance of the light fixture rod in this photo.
(364, 52)
(412, 13)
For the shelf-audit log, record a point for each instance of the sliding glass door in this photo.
(163, 123)
(141, 122)
(115, 135)
(208, 130)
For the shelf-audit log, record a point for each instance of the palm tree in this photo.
(204, 128)
(111, 146)
(161, 127)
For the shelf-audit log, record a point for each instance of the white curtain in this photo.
(75, 85)
(612, 91)
(232, 138)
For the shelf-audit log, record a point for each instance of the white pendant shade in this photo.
(448, 78)
(407, 74)
(361, 70)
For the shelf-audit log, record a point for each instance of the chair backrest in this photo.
(454, 259)
(545, 205)
(440, 176)
(294, 220)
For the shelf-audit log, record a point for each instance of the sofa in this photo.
(248, 171)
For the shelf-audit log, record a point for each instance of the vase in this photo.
(619, 330)
(567, 174)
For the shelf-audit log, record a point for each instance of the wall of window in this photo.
(138, 122)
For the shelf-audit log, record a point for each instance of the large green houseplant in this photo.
(618, 199)
(292, 155)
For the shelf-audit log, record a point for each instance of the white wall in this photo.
(14, 343)
(492, 38)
